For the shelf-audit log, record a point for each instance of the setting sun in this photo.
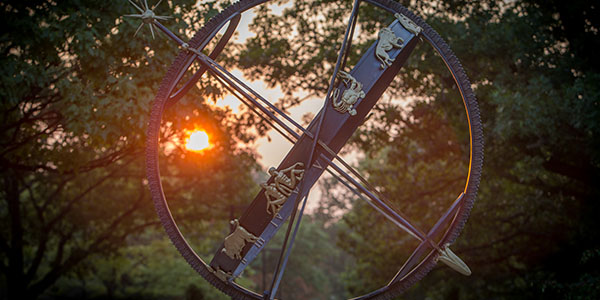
(197, 141)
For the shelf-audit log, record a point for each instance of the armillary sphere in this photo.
(352, 93)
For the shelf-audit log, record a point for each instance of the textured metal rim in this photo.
(387, 292)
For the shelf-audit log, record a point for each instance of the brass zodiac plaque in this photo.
(352, 93)
(235, 242)
(386, 41)
(284, 182)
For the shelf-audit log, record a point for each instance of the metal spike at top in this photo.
(147, 15)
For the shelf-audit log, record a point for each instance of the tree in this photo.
(76, 91)
(149, 269)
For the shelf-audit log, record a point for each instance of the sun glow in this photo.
(197, 141)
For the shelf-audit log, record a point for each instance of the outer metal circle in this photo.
(182, 62)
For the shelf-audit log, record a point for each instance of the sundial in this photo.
(352, 93)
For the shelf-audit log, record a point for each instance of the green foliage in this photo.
(76, 94)
(149, 268)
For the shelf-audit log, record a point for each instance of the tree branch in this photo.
(77, 256)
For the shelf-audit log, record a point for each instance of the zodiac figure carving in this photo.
(350, 96)
(408, 24)
(284, 182)
(275, 198)
(235, 242)
(385, 42)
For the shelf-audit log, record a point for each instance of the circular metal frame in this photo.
(166, 97)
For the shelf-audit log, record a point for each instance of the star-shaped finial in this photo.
(147, 15)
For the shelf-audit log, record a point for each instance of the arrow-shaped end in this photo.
(453, 261)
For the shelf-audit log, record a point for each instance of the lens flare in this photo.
(197, 141)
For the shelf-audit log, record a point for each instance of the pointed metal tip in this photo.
(157, 4)
(152, 30)
(453, 261)
(138, 29)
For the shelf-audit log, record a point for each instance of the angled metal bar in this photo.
(346, 52)
(233, 23)
(168, 32)
(450, 212)
(382, 207)
(423, 246)
(258, 113)
(225, 77)
(241, 87)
